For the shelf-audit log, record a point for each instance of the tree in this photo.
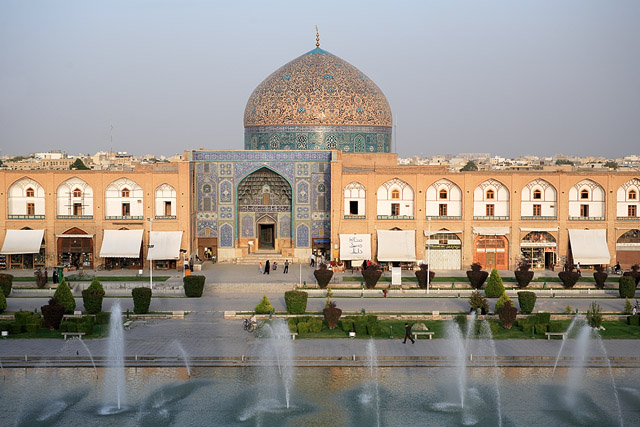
(611, 164)
(564, 162)
(495, 286)
(470, 166)
(79, 165)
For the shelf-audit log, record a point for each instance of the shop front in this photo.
(628, 249)
(397, 248)
(588, 247)
(491, 247)
(75, 249)
(24, 249)
(443, 250)
(122, 249)
(164, 249)
(538, 249)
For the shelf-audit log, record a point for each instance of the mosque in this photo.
(317, 176)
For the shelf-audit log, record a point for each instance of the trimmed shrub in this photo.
(95, 284)
(103, 318)
(141, 300)
(264, 306)
(507, 314)
(293, 324)
(502, 300)
(92, 300)
(375, 330)
(555, 327)
(64, 297)
(361, 328)
(635, 273)
(421, 275)
(33, 325)
(315, 324)
(346, 325)
(495, 287)
(569, 278)
(303, 328)
(193, 286)
(543, 317)
(523, 274)
(332, 315)
(16, 328)
(594, 317)
(323, 275)
(86, 327)
(600, 276)
(541, 328)
(41, 278)
(52, 313)
(3, 302)
(6, 283)
(22, 316)
(371, 276)
(527, 301)
(477, 301)
(627, 287)
(628, 308)
(476, 276)
(633, 320)
(296, 301)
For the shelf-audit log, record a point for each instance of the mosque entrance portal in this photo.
(266, 239)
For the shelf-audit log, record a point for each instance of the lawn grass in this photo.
(100, 278)
(449, 279)
(98, 332)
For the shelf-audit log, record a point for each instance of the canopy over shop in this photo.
(589, 247)
(164, 248)
(122, 248)
(23, 249)
(397, 246)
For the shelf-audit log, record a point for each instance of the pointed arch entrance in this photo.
(265, 209)
(75, 249)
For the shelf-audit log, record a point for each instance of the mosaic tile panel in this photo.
(302, 212)
(226, 192)
(226, 236)
(303, 192)
(260, 156)
(302, 236)
(321, 229)
(247, 226)
(285, 226)
(226, 212)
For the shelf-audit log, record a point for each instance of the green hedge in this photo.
(555, 327)
(633, 320)
(544, 317)
(141, 300)
(92, 300)
(346, 324)
(103, 317)
(6, 283)
(3, 302)
(541, 328)
(193, 286)
(296, 301)
(495, 287)
(627, 287)
(64, 297)
(527, 301)
(527, 327)
(16, 328)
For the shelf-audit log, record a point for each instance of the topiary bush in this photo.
(92, 299)
(193, 286)
(64, 297)
(296, 301)
(502, 300)
(633, 320)
(600, 276)
(3, 302)
(477, 301)
(507, 314)
(494, 287)
(476, 276)
(95, 284)
(332, 315)
(6, 283)
(555, 327)
(371, 275)
(527, 301)
(627, 287)
(264, 306)
(421, 275)
(323, 275)
(346, 325)
(569, 277)
(594, 316)
(523, 274)
(635, 273)
(41, 278)
(141, 300)
(540, 328)
(52, 313)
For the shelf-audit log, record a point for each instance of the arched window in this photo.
(125, 192)
(633, 195)
(537, 194)
(490, 194)
(30, 192)
(395, 194)
(443, 194)
(77, 192)
(584, 194)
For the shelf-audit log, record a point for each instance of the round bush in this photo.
(141, 300)
(495, 287)
(6, 283)
(95, 284)
(296, 301)
(527, 301)
(264, 306)
(193, 286)
(92, 300)
(627, 287)
(64, 297)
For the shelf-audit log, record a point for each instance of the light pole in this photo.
(428, 253)
(149, 247)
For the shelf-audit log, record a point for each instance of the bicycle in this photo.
(248, 325)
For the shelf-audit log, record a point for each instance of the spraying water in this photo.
(90, 355)
(577, 371)
(487, 337)
(373, 370)
(569, 329)
(281, 346)
(613, 381)
(115, 380)
(183, 353)
(453, 331)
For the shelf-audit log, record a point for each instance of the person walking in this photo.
(312, 260)
(55, 275)
(407, 334)
(578, 269)
(286, 267)
(260, 268)
(267, 267)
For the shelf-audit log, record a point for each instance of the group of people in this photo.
(267, 267)
(316, 259)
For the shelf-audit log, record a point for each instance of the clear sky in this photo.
(500, 76)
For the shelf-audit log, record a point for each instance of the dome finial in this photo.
(317, 38)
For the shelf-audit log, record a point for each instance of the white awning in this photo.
(355, 247)
(166, 245)
(397, 245)
(491, 231)
(589, 247)
(538, 229)
(426, 233)
(121, 244)
(22, 242)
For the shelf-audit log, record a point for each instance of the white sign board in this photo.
(355, 247)
(396, 276)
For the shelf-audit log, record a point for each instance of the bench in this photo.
(72, 334)
(127, 325)
(293, 336)
(549, 334)
(415, 334)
